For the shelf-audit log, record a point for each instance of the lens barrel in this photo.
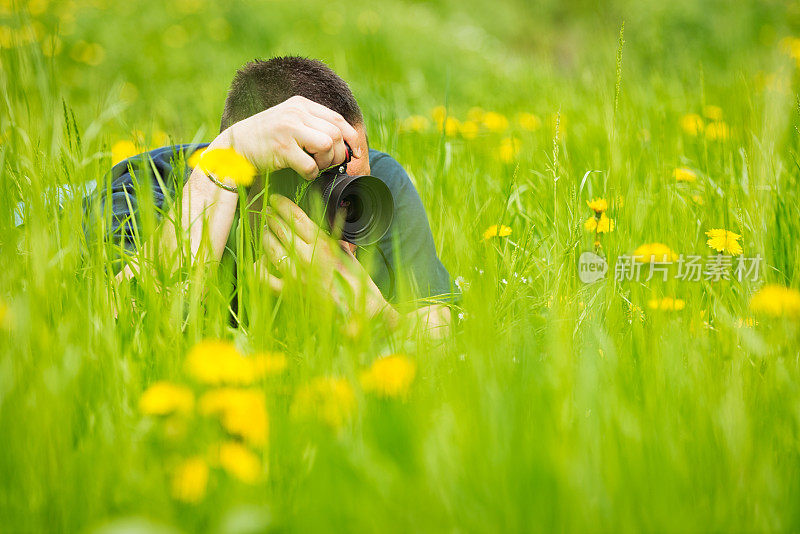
(364, 204)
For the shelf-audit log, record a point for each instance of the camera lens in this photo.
(353, 208)
(364, 204)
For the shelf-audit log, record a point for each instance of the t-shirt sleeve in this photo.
(413, 269)
(147, 178)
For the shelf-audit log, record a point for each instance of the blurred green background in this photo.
(171, 63)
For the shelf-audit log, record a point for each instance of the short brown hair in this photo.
(261, 84)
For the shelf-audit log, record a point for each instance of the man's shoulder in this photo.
(162, 156)
(382, 160)
(389, 170)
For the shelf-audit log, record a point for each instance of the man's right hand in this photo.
(297, 134)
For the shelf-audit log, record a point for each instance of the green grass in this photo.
(554, 405)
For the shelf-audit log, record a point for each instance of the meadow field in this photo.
(613, 186)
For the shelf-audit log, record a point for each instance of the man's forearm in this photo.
(206, 209)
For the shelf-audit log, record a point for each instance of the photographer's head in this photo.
(262, 84)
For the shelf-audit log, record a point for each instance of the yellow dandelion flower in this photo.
(495, 122)
(226, 163)
(194, 159)
(164, 398)
(217, 362)
(7, 37)
(508, 150)
(603, 225)
(216, 401)
(37, 7)
(415, 124)
(190, 479)
(683, 174)
(717, 131)
(598, 205)
(470, 129)
(724, 241)
(122, 150)
(496, 230)
(220, 362)
(438, 114)
(240, 462)
(92, 54)
(656, 252)
(692, 124)
(791, 47)
(451, 126)
(529, 121)
(330, 400)
(776, 301)
(666, 303)
(268, 363)
(698, 199)
(713, 113)
(787, 43)
(242, 412)
(476, 114)
(390, 376)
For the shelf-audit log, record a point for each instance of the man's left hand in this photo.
(301, 250)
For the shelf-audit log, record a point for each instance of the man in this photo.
(294, 113)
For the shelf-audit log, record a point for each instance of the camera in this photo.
(363, 205)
